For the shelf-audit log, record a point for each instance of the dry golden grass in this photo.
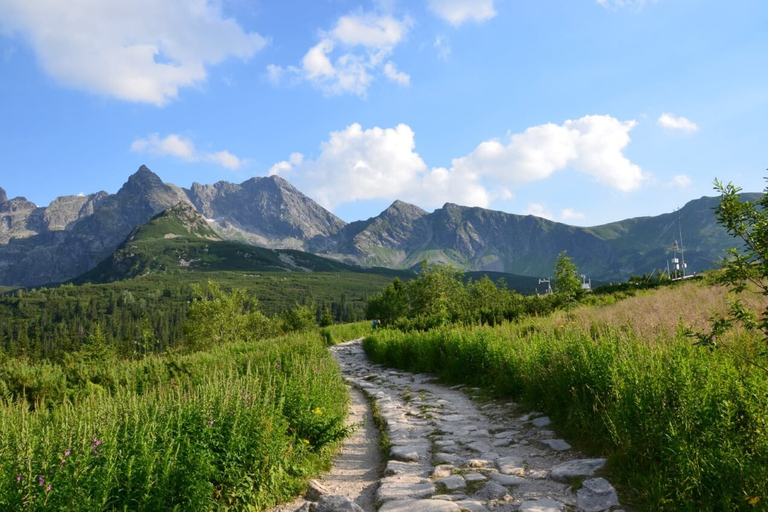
(656, 315)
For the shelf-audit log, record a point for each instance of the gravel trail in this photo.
(450, 453)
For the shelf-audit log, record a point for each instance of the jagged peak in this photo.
(144, 175)
(3, 195)
(402, 208)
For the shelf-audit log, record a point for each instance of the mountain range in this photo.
(74, 234)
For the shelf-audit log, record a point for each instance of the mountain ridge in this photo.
(41, 245)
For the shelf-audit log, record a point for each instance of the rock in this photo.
(556, 444)
(477, 463)
(542, 422)
(479, 446)
(453, 482)
(578, 468)
(506, 480)
(308, 506)
(492, 491)
(596, 495)
(395, 467)
(316, 491)
(471, 506)
(542, 505)
(475, 477)
(420, 506)
(511, 466)
(337, 503)
(392, 489)
(442, 471)
(404, 454)
(447, 458)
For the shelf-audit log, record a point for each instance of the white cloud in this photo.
(593, 145)
(362, 164)
(382, 163)
(184, 149)
(370, 30)
(680, 181)
(570, 214)
(349, 56)
(674, 122)
(141, 50)
(400, 78)
(457, 12)
(538, 210)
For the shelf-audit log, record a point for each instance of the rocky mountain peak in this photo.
(403, 209)
(3, 195)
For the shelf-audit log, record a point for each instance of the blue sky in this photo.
(581, 111)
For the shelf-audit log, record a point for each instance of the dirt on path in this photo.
(451, 453)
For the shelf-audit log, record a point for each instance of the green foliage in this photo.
(299, 319)
(238, 427)
(567, 283)
(684, 430)
(745, 269)
(216, 317)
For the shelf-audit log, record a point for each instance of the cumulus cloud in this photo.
(674, 122)
(349, 56)
(142, 50)
(457, 12)
(360, 164)
(593, 145)
(183, 148)
(382, 163)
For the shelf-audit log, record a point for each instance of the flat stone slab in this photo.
(558, 445)
(337, 503)
(453, 483)
(579, 468)
(420, 506)
(511, 466)
(396, 467)
(475, 477)
(404, 453)
(542, 505)
(542, 422)
(492, 491)
(479, 446)
(398, 490)
(596, 495)
(447, 458)
(471, 506)
(506, 480)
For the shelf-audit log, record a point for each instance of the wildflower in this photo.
(18, 478)
(48, 489)
(41, 480)
(305, 441)
(210, 423)
(277, 366)
(66, 453)
(317, 411)
(753, 500)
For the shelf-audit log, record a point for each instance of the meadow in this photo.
(684, 427)
(237, 427)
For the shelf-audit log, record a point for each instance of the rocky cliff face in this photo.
(3, 195)
(265, 211)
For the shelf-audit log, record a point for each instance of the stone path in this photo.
(449, 453)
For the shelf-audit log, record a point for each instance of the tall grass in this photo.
(340, 333)
(238, 427)
(685, 429)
